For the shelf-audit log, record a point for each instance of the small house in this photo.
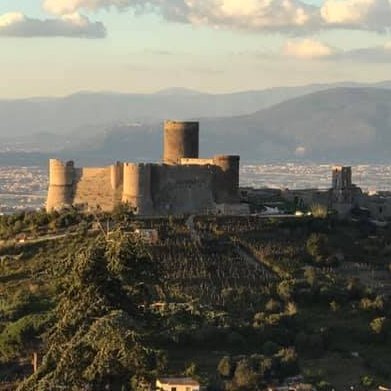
(177, 384)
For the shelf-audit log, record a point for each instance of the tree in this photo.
(265, 367)
(311, 276)
(285, 289)
(378, 325)
(226, 367)
(245, 378)
(98, 341)
(334, 306)
(270, 348)
(191, 370)
(318, 247)
(273, 306)
(288, 362)
(355, 288)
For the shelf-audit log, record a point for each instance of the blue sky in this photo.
(57, 47)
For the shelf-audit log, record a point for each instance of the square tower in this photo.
(342, 178)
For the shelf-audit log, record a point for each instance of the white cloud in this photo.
(16, 24)
(251, 14)
(360, 14)
(307, 49)
(259, 15)
(11, 18)
(69, 6)
(243, 14)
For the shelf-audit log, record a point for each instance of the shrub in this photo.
(318, 211)
(20, 333)
(318, 247)
(226, 367)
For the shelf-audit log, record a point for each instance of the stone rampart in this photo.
(184, 183)
(182, 189)
(93, 189)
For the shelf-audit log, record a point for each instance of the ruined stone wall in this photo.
(182, 189)
(341, 177)
(93, 188)
(183, 184)
(307, 197)
(148, 188)
(343, 191)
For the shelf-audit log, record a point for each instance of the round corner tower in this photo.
(61, 179)
(181, 140)
(137, 187)
(226, 183)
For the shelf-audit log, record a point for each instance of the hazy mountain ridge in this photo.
(81, 110)
(343, 124)
(337, 124)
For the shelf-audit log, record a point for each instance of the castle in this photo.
(182, 183)
(343, 197)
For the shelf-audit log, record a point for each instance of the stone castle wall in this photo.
(93, 188)
(182, 184)
(148, 188)
(182, 189)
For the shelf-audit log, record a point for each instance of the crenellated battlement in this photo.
(60, 173)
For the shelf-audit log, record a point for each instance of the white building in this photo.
(177, 384)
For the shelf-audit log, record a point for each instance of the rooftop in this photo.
(178, 381)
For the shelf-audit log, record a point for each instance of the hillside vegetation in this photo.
(236, 302)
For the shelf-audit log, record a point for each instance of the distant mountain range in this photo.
(343, 122)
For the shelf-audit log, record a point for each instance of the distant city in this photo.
(22, 188)
(25, 188)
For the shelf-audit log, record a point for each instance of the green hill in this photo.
(236, 302)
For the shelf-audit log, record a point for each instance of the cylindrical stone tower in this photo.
(137, 187)
(226, 183)
(61, 178)
(181, 140)
(116, 175)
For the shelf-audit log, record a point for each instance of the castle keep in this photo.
(183, 183)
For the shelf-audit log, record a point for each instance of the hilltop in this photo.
(236, 302)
